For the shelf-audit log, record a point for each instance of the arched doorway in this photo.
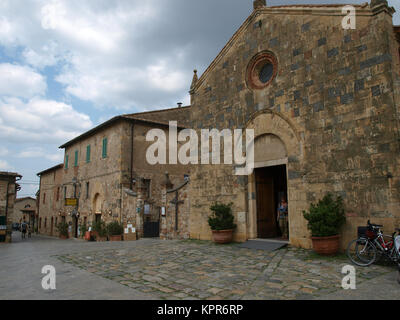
(97, 206)
(278, 150)
(270, 183)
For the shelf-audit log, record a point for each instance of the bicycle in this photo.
(371, 245)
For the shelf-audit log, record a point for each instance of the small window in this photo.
(88, 154)
(76, 158)
(44, 198)
(65, 192)
(58, 193)
(104, 148)
(66, 162)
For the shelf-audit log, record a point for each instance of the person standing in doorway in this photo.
(282, 217)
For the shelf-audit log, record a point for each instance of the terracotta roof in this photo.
(59, 166)
(10, 174)
(25, 198)
(133, 117)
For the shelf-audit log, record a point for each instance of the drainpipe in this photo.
(131, 164)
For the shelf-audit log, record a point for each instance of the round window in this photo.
(262, 70)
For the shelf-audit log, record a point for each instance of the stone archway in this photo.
(277, 143)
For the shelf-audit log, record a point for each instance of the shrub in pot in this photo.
(62, 229)
(222, 222)
(324, 221)
(115, 231)
(99, 230)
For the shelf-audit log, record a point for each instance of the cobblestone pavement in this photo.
(203, 270)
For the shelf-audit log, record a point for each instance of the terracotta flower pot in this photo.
(326, 246)
(222, 236)
(116, 238)
(63, 237)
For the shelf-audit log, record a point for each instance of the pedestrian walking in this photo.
(24, 228)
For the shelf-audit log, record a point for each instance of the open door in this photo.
(266, 221)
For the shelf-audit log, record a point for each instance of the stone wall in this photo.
(332, 103)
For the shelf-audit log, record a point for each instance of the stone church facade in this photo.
(323, 102)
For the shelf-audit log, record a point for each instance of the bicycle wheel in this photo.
(361, 252)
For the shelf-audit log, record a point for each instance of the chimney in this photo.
(259, 4)
(180, 104)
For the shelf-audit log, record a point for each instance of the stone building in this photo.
(323, 101)
(106, 170)
(8, 195)
(24, 210)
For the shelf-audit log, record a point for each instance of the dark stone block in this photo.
(294, 66)
(240, 87)
(344, 71)
(384, 148)
(359, 85)
(279, 93)
(333, 92)
(346, 98)
(347, 38)
(271, 102)
(208, 89)
(296, 52)
(293, 159)
(376, 91)
(321, 42)
(318, 106)
(309, 83)
(305, 27)
(294, 175)
(273, 42)
(361, 48)
(296, 112)
(305, 101)
(375, 61)
(213, 99)
(225, 64)
(297, 95)
(333, 52)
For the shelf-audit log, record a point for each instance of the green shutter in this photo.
(76, 158)
(66, 162)
(105, 148)
(88, 154)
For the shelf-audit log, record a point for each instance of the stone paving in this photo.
(203, 270)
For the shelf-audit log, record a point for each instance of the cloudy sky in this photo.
(67, 65)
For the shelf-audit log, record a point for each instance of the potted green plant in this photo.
(324, 221)
(222, 222)
(99, 230)
(115, 231)
(62, 229)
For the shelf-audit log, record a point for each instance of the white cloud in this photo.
(5, 166)
(40, 120)
(19, 81)
(38, 152)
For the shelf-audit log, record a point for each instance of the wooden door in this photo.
(266, 218)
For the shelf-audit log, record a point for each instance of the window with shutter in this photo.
(88, 154)
(76, 158)
(104, 148)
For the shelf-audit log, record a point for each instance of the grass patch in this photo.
(312, 255)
